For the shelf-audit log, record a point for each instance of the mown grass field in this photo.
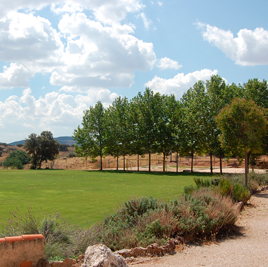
(83, 197)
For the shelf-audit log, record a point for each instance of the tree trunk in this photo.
(177, 163)
(117, 158)
(248, 160)
(192, 162)
(246, 168)
(149, 161)
(101, 162)
(220, 163)
(211, 163)
(124, 162)
(164, 162)
(138, 163)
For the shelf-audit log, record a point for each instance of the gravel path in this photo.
(248, 248)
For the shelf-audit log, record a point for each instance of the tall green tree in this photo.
(137, 144)
(91, 136)
(243, 126)
(118, 129)
(193, 140)
(219, 94)
(148, 112)
(257, 91)
(215, 101)
(165, 126)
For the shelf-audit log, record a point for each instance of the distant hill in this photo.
(63, 140)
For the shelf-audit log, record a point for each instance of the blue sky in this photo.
(59, 57)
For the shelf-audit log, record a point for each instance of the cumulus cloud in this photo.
(179, 84)
(249, 48)
(57, 112)
(30, 44)
(100, 56)
(167, 63)
(105, 11)
(14, 76)
(83, 53)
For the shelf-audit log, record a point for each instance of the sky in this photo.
(58, 57)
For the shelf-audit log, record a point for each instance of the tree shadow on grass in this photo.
(194, 174)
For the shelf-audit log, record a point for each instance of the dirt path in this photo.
(248, 248)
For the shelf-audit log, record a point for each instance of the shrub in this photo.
(144, 221)
(71, 155)
(63, 147)
(260, 178)
(236, 190)
(57, 232)
(188, 190)
(205, 213)
(202, 183)
(16, 159)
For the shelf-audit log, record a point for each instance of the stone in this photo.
(153, 249)
(56, 264)
(101, 256)
(68, 263)
(43, 263)
(80, 261)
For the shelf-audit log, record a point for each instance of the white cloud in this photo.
(105, 11)
(93, 55)
(100, 56)
(249, 48)
(167, 63)
(146, 22)
(14, 76)
(180, 83)
(57, 112)
(160, 3)
(30, 44)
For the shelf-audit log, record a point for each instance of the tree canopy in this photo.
(154, 123)
(41, 148)
(243, 125)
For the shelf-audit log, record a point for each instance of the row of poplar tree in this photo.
(151, 122)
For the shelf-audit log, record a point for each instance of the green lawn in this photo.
(83, 197)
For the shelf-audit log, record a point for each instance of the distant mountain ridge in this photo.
(63, 140)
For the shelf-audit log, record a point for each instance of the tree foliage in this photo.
(91, 136)
(151, 122)
(243, 126)
(41, 148)
(16, 159)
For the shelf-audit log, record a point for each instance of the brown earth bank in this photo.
(246, 247)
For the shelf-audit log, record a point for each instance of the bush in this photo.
(16, 159)
(202, 183)
(205, 213)
(202, 214)
(236, 190)
(63, 147)
(57, 232)
(71, 155)
(261, 179)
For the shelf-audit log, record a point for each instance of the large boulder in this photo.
(101, 256)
